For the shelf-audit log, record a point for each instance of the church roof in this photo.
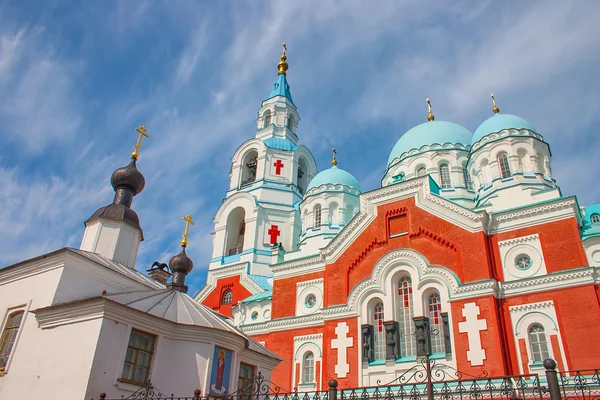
(334, 176)
(589, 228)
(266, 295)
(499, 122)
(429, 133)
(180, 308)
(280, 144)
(280, 88)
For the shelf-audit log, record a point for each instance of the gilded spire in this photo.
(282, 66)
(334, 161)
(142, 131)
(188, 222)
(430, 117)
(496, 110)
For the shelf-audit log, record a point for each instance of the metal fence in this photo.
(425, 381)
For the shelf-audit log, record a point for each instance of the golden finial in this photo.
(430, 117)
(142, 131)
(282, 66)
(496, 110)
(188, 222)
(334, 161)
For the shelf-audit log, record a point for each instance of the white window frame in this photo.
(445, 180)
(408, 341)
(317, 220)
(504, 166)
(539, 344)
(308, 367)
(227, 297)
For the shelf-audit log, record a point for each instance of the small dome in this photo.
(128, 177)
(498, 122)
(428, 133)
(334, 176)
(181, 263)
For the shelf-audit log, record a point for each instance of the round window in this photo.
(254, 315)
(523, 262)
(310, 301)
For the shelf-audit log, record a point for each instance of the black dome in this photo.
(128, 177)
(181, 263)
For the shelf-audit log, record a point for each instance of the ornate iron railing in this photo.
(584, 384)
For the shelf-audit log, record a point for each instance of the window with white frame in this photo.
(317, 216)
(267, 118)
(227, 297)
(422, 171)
(408, 342)
(9, 336)
(595, 218)
(445, 182)
(538, 343)
(434, 313)
(379, 330)
(467, 179)
(504, 166)
(138, 358)
(308, 367)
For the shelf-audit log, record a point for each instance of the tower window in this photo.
(595, 218)
(227, 297)
(308, 367)
(290, 121)
(538, 343)
(445, 176)
(434, 313)
(267, 118)
(504, 166)
(422, 171)
(317, 216)
(9, 336)
(467, 178)
(379, 336)
(138, 357)
(408, 345)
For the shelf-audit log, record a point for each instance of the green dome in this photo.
(428, 133)
(334, 176)
(499, 122)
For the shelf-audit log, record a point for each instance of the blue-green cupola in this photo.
(278, 117)
(334, 176)
(499, 122)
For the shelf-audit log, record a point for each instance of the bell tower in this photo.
(269, 175)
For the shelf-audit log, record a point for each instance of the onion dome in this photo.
(499, 122)
(334, 176)
(181, 263)
(428, 134)
(129, 178)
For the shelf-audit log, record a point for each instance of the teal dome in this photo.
(334, 176)
(440, 132)
(498, 122)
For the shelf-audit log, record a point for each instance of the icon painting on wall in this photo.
(219, 377)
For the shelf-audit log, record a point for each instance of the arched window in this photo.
(422, 171)
(290, 121)
(236, 231)
(504, 166)
(467, 178)
(249, 167)
(538, 343)
(267, 118)
(445, 176)
(434, 313)
(9, 336)
(308, 367)
(227, 297)
(317, 216)
(333, 214)
(595, 218)
(379, 336)
(408, 341)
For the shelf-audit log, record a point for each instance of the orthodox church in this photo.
(468, 253)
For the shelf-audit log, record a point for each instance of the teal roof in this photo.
(280, 88)
(440, 132)
(261, 280)
(280, 144)
(590, 229)
(266, 295)
(334, 176)
(498, 122)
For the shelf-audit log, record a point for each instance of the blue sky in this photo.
(76, 78)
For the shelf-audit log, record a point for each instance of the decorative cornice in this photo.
(519, 240)
(293, 264)
(312, 282)
(235, 197)
(423, 149)
(557, 280)
(305, 338)
(531, 306)
(504, 133)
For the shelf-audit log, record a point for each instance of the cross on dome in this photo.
(142, 131)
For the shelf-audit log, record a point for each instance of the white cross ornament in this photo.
(472, 327)
(342, 343)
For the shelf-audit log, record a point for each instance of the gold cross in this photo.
(496, 110)
(430, 117)
(188, 222)
(142, 131)
(334, 161)
(284, 47)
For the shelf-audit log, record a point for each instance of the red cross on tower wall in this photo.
(278, 166)
(273, 234)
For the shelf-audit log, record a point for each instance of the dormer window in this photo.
(266, 119)
(595, 218)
